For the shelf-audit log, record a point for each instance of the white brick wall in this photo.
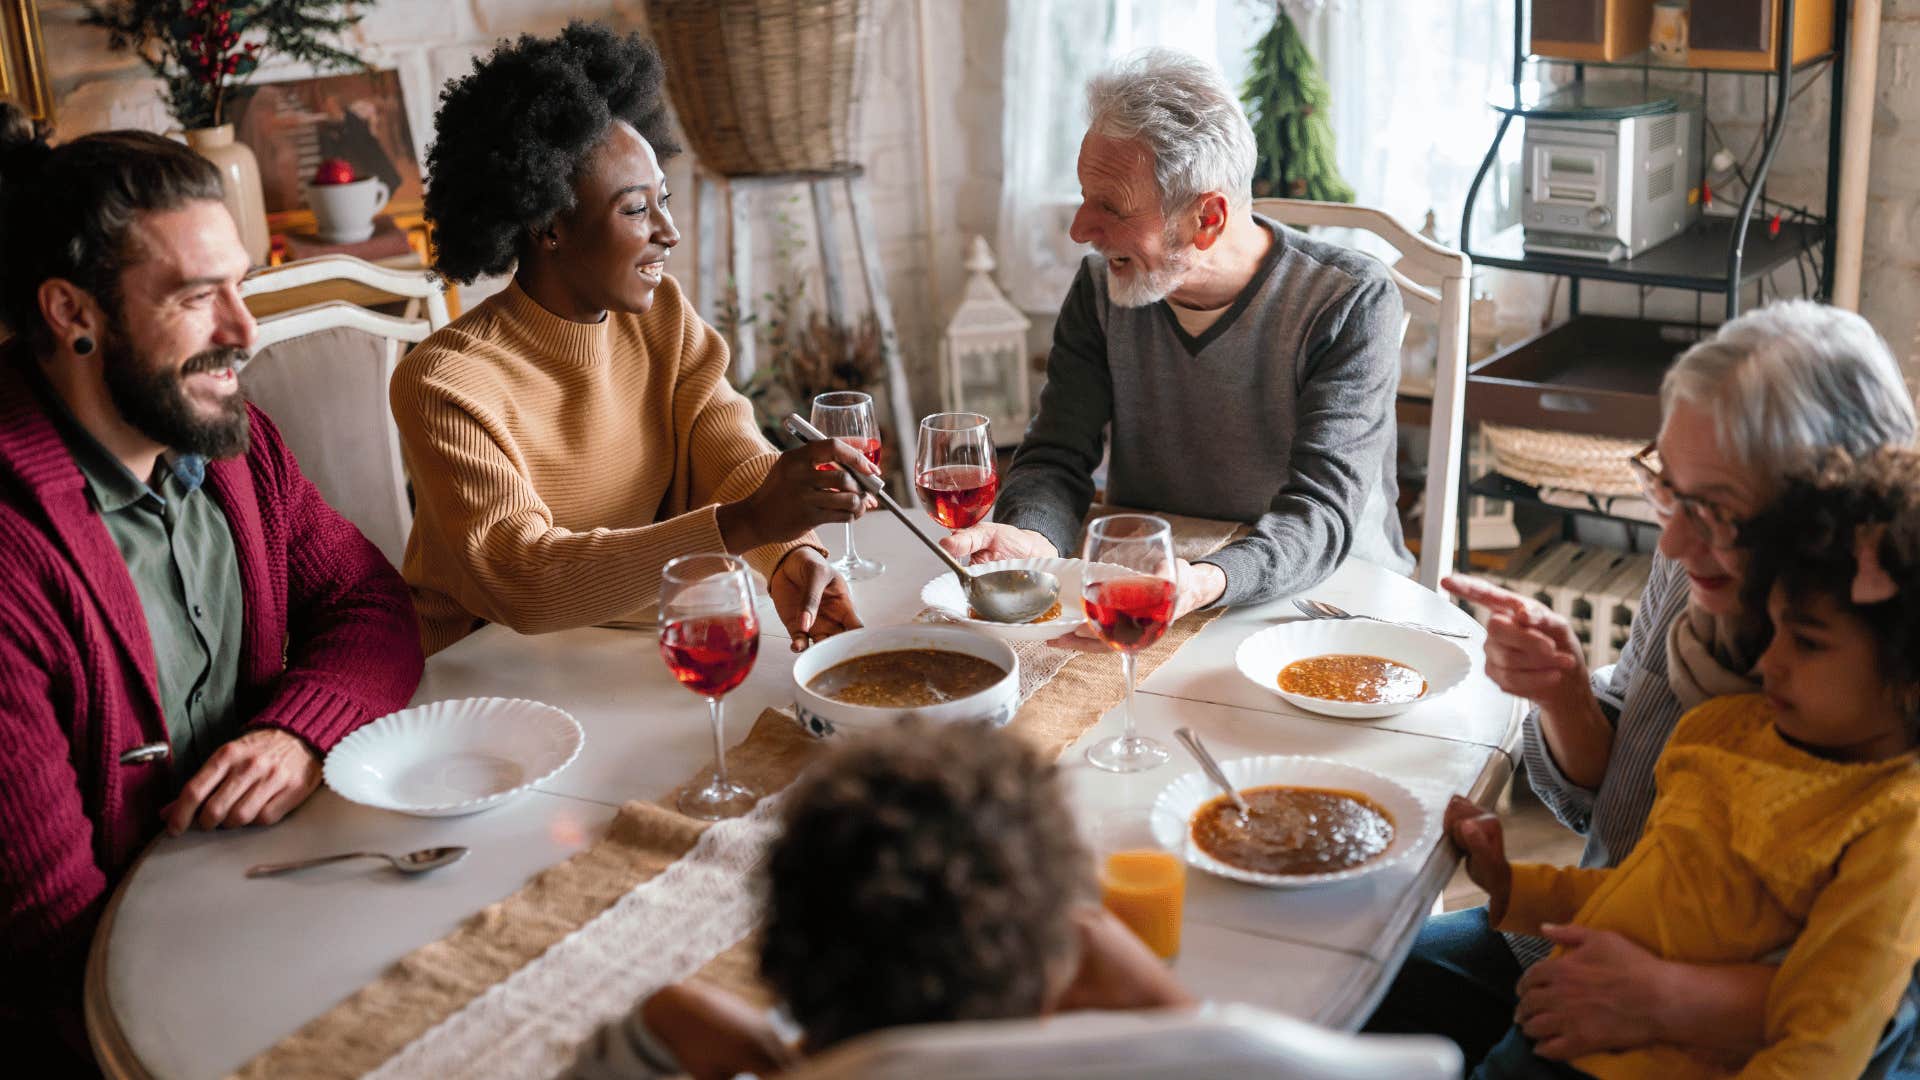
(429, 41)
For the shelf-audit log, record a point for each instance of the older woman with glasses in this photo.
(1740, 410)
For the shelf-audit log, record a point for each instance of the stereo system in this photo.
(1609, 188)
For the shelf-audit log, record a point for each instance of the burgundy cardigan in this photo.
(329, 641)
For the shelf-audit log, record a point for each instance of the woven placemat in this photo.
(435, 981)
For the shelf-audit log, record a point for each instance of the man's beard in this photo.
(153, 398)
(1143, 286)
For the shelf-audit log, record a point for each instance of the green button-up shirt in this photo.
(179, 551)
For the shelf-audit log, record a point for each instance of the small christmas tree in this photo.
(1286, 102)
(203, 49)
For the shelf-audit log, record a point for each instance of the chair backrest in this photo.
(1214, 1042)
(1421, 260)
(321, 372)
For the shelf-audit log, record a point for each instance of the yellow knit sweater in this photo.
(557, 465)
(1753, 846)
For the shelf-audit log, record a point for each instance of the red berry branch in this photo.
(203, 49)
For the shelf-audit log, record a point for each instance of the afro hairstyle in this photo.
(1805, 543)
(925, 874)
(512, 137)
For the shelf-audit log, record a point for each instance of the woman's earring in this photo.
(82, 345)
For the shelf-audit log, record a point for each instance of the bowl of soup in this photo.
(1352, 669)
(872, 677)
(1315, 821)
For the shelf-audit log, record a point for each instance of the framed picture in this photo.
(23, 60)
(293, 126)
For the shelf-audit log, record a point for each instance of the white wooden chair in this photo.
(321, 372)
(1421, 261)
(1225, 1041)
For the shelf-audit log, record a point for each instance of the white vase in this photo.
(240, 182)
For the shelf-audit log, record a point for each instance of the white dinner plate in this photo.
(1443, 664)
(944, 593)
(453, 757)
(1415, 831)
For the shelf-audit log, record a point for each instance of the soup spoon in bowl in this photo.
(1191, 740)
(1002, 596)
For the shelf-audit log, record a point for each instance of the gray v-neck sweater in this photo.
(1280, 415)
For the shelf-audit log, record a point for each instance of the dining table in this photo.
(196, 969)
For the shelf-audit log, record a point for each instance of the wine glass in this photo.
(954, 472)
(847, 415)
(710, 636)
(1129, 596)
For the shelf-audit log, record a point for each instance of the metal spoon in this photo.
(1320, 609)
(413, 862)
(1002, 596)
(1194, 746)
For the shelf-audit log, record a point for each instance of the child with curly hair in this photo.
(924, 874)
(1788, 820)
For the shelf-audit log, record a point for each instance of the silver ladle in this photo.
(1002, 596)
(413, 862)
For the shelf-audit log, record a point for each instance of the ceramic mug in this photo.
(343, 213)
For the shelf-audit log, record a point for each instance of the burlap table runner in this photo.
(432, 983)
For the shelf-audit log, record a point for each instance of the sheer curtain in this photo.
(1410, 82)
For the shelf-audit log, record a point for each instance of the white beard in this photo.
(1143, 287)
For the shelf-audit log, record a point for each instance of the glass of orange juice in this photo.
(1146, 889)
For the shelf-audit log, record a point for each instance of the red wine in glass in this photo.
(954, 469)
(1130, 612)
(711, 655)
(709, 637)
(958, 495)
(847, 415)
(869, 448)
(1129, 596)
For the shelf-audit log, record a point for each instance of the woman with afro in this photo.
(571, 434)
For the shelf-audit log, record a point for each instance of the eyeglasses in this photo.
(1720, 530)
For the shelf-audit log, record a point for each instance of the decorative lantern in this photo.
(984, 352)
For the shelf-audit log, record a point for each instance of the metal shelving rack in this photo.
(1715, 254)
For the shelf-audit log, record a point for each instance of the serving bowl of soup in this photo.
(872, 677)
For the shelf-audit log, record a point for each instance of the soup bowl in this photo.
(824, 716)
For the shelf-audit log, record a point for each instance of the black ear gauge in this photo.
(83, 345)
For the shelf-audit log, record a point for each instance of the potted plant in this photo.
(203, 50)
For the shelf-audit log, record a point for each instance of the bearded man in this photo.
(1246, 372)
(185, 625)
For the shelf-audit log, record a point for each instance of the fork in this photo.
(1320, 609)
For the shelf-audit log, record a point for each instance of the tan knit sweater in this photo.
(557, 465)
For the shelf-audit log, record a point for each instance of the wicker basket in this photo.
(764, 86)
(1587, 463)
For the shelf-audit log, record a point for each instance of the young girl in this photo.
(1788, 820)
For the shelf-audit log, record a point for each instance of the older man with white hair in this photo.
(1246, 372)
